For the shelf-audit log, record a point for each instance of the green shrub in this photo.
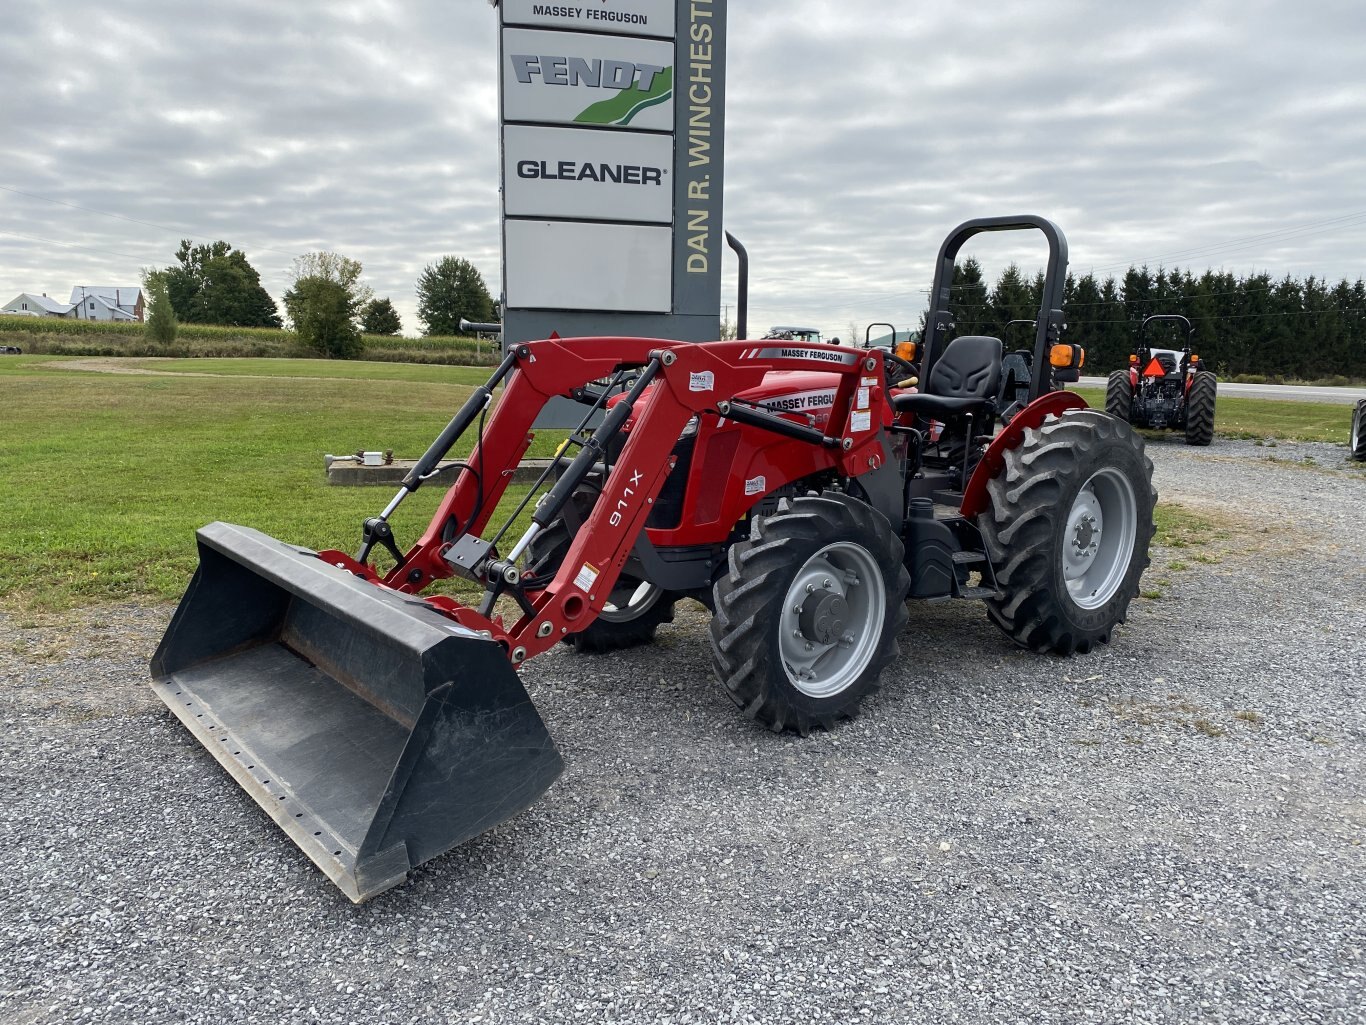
(53, 336)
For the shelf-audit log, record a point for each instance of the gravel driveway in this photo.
(1170, 829)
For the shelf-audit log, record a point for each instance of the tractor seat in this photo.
(966, 375)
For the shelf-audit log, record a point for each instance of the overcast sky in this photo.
(1190, 133)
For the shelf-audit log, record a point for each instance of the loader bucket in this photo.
(376, 732)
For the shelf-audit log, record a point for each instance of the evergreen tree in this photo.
(1013, 298)
(1296, 329)
(1085, 324)
(968, 305)
(161, 318)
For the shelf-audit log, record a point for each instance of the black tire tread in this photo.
(547, 552)
(1200, 408)
(1119, 395)
(748, 597)
(1021, 529)
(1358, 451)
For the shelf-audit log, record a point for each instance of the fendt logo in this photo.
(638, 86)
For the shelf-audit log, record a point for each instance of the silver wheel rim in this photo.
(832, 619)
(641, 599)
(1356, 429)
(1098, 540)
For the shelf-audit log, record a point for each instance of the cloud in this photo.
(858, 135)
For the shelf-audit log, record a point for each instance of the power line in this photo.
(133, 220)
(70, 245)
(1249, 241)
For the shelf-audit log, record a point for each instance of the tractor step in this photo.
(977, 592)
(966, 558)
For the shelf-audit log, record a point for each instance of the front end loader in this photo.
(801, 492)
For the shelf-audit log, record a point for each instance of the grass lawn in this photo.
(105, 477)
(1265, 418)
(328, 369)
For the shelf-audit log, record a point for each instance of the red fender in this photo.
(1054, 403)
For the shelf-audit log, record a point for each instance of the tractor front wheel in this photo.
(635, 609)
(1119, 395)
(1200, 408)
(1358, 443)
(1068, 530)
(808, 613)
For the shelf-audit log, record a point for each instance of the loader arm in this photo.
(676, 381)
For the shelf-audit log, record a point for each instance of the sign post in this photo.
(612, 123)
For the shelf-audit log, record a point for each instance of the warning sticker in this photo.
(862, 401)
(860, 420)
(756, 485)
(869, 382)
(588, 576)
(701, 380)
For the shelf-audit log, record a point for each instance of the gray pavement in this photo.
(1169, 829)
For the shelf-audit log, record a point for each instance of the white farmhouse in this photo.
(106, 302)
(30, 305)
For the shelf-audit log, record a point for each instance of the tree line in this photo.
(1243, 324)
(328, 304)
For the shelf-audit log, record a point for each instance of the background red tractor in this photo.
(1165, 388)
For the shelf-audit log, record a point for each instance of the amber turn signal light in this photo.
(1067, 356)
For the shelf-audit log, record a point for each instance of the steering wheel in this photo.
(896, 369)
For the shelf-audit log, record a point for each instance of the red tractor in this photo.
(801, 492)
(1165, 388)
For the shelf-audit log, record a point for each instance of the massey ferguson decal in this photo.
(783, 352)
(799, 402)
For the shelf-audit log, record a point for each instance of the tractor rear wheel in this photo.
(1358, 442)
(1200, 408)
(635, 609)
(1068, 530)
(808, 614)
(1119, 395)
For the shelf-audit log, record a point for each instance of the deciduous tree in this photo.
(214, 284)
(325, 303)
(448, 290)
(380, 318)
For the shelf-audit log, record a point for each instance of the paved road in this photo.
(1282, 392)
